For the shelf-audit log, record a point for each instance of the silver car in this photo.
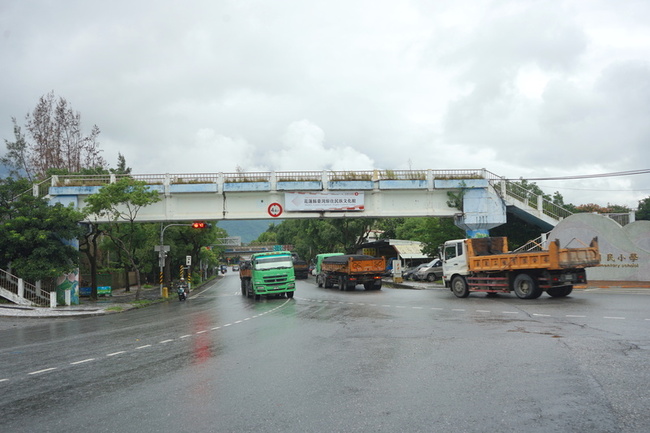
(431, 272)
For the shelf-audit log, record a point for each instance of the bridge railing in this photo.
(23, 289)
(504, 187)
(527, 197)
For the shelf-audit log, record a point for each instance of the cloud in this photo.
(521, 88)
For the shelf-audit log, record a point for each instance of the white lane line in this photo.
(227, 324)
(248, 318)
(143, 347)
(4, 380)
(116, 353)
(541, 315)
(510, 312)
(437, 308)
(185, 336)
(483, 311)
(43, 370)
(615, 318)
(457, 309)
(216, 327)
(238, 321)
(82, 361)
(417, 308)
(575, 315)
(166, 341)
(202, 332)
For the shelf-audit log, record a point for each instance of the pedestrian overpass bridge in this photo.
(476, 198)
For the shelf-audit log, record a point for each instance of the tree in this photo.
(120, 202)
(643, 211)
(34, 235)
(53, 140)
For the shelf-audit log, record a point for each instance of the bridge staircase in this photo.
(21, 292)
(527, 205)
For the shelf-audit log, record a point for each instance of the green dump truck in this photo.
(268, 274)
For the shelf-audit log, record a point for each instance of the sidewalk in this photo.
(120, 301)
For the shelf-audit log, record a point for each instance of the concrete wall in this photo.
(624, 250)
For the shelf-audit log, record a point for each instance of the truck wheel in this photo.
(526, 287)
(319, 281)
(289, 295)
(558, 292)
(377, 285)
(369, 285)
(342, 284)
(459, 287)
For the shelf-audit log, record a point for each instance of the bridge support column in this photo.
(482, 211)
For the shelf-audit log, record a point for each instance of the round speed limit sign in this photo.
(275, 210)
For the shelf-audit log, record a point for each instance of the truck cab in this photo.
(454, 260)
(268, 274)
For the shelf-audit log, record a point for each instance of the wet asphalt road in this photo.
(329, 361)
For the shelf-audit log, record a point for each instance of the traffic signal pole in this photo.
(163, 249)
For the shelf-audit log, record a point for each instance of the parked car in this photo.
(409, 273)
(432, 271)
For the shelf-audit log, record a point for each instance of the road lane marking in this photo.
(202, 332)
(82, 361)
(541, 315)
(4, 380)
(483, 311)
(615, 318)
(45, 370)
(575, 315)
(510, 312)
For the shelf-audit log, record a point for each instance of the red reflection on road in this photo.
(201, 341)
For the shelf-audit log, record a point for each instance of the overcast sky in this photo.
(522, 88)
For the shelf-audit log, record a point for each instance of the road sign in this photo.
(188, 260)
(161, 247)
(275, 210)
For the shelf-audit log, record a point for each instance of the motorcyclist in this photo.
(183, 287)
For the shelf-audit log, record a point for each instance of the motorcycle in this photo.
(182, 293)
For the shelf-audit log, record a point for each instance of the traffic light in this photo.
(200, 225)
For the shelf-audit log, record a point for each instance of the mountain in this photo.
(249, 230)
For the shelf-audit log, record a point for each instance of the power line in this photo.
(589, 176)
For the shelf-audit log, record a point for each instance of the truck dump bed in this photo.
(354, 264)
(490, 254)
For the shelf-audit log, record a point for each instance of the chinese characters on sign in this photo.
(620, 260)
(324, 201)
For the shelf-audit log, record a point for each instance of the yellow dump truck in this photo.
(348, 270)
(485, 265)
